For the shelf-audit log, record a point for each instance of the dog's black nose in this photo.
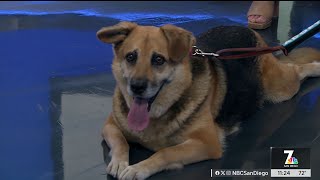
(138, 86)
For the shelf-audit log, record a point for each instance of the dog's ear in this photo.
(180, 41)
(117, 33)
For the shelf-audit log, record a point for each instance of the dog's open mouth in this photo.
(138, 116)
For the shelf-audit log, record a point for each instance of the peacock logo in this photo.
(290, 159)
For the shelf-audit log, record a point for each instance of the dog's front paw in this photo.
(115, 167)
(135, 172)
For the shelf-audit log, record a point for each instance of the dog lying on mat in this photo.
(182, 106)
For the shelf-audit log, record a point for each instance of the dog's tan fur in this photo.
(175, 143)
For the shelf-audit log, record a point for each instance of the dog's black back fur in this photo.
(244, 89)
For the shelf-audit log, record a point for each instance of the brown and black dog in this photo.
(182, 106)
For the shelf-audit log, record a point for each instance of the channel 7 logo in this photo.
(290, 159)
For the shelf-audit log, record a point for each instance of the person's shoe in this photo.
(261, 12)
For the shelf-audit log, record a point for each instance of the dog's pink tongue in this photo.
(138, 117)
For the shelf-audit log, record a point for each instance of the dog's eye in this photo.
(131, 57)
(158, 60)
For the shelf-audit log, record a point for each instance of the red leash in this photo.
(255, 51)
(244, 52)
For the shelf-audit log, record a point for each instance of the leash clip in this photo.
(196, 51)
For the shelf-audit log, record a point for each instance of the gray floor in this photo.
(57, 88)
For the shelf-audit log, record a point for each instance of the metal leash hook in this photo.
(196, 51)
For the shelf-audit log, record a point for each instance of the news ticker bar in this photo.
(285, 162)
(260, 173)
